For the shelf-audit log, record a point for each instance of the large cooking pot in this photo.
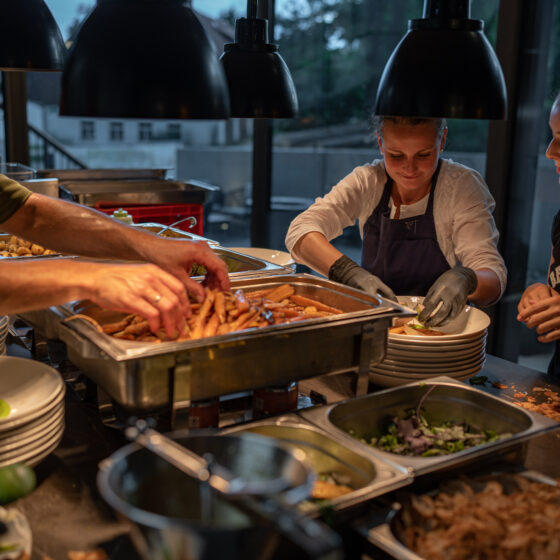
(180, 518)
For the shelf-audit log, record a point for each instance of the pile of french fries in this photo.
(223, 312)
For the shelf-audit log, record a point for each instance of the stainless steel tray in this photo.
(144, 376)
(173, 232)
(451, 400)
(7, 236)
(132, 191)
(369, 476)
(383, 536)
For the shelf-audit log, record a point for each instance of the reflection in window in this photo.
(116, 131)
(145, 131)
(87, 130)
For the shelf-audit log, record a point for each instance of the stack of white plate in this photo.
(33, 428)
(460, 352)
(3, 333)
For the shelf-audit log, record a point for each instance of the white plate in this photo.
(38, 449)
(33, 425)
(452, 363)
(28, 387)
(39, 431)
(470, 322)
(420, 369)
(24, 419)
(281, 258)
(18, 450)
(435, 358)
(434, 341)
(411, 374)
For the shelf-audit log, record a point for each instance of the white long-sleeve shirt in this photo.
(463, 206)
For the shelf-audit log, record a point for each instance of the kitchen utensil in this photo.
(168, 507)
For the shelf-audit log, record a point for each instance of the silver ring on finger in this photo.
(157, 299)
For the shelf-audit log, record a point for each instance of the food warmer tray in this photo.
(173, 232)
(142, 376)
(451, 400)
(380, 531)
(369, 476)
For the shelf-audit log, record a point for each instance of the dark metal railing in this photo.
(46, 152)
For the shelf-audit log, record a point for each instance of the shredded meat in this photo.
(493, 523)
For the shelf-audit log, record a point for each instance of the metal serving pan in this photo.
(6, 236)
(451, 400)
(369, 476)
(142, 376)
(173, 232)
(385, 534)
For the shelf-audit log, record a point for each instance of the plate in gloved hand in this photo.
(471, 322)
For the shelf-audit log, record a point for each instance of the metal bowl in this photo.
(180, 518)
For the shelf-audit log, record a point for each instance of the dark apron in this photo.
(404, 253)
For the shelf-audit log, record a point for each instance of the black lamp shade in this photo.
(143, 59)
(443, 67)
(29, 37)
(259, 81)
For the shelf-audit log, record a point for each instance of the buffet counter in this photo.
(66, 513)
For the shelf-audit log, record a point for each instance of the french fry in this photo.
(212, 325)
(281, 292)
(307, 302)
(220, 306)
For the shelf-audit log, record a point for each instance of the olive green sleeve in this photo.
(12, 197)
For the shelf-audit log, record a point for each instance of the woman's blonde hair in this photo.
(380, 120)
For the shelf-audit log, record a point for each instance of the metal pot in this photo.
(180, 518)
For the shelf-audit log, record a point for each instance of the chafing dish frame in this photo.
(388, 476)
(143, 377)
(390, 401)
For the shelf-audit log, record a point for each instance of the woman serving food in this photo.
(426, 225)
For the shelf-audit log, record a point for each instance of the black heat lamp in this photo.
(30, 39)
(144, 59)
(443, 67)
(260, 83)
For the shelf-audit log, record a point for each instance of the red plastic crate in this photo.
(165, 214)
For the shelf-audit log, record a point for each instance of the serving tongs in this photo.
(251, 497)
(191, 219)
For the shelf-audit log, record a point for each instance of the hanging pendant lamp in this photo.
(259, 81)
(443, 67)
(144, 59)
(29, 37)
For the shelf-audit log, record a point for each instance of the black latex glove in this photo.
(346, 271)
(451, 289)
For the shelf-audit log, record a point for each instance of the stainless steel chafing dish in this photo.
(6, 237)
(385, 534)
(127, 186)
(173, 232)
(451, 400)
(368, 476)
(144, 376)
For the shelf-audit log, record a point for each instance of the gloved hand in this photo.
(451, 289)
(346, 271)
